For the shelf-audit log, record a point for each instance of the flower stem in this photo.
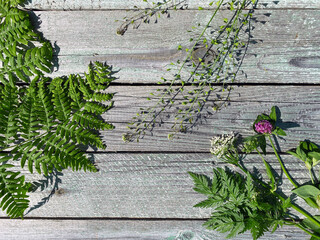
(311, 176)
(281, 163)
(302, 228)
(283, 199)
(269, 171)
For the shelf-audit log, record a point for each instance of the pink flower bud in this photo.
(264, 126)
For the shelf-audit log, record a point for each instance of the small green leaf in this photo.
(273, 114)
(293, 154)
(311, 225)
(307, 191)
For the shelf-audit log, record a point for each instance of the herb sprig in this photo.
(248, 203)
(212, 61)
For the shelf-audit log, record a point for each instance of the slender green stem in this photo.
(311, 176)
(220, 53)
(281, 163)
(302, 228)
(268, 169)
(184, 62)
(295, 207)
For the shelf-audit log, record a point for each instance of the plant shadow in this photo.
(53, 180)
(36, 23)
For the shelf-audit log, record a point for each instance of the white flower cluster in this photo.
(222, 144)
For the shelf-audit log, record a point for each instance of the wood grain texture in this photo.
(115, 4)
(124, 230)
(299, 105)
(284, 44)
(141, 186)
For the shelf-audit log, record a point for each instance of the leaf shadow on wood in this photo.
(53, 179)
(36, 22)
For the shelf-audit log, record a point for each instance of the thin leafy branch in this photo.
(153, 11)
(202, 77)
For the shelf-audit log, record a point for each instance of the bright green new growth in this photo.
(43, 121)
(239, 204)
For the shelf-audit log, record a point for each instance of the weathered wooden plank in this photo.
(123, 230)
(284, 45)
(299, 106)
(140, 186)
(192, 4)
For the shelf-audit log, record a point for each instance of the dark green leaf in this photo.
(273, 114)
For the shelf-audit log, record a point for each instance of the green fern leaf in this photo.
(90, 121)
(8, 115)
(46, 122)
(97, 108)
(34, 61)
(46, 112)
(13, 191)
(29, 122)
(99, 76)
(60, 99)
(79, 134)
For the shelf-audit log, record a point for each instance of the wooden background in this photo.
(142, 190)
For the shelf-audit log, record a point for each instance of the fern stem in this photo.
(18, 145)
(281, 163)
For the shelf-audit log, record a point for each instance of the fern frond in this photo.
(52, 151)
(91, 121)
(13, 190)
(46, 112)
(99, 76)
(29, 121)
(102, 97)
(8, 115)
(66, 153)
(79, 135)
(97, 108)
(60, 99)
(74, 92)
(33, 62)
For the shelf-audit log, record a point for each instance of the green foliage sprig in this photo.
(44, 122)
(212, 61)
(243, 203)
(153, 11)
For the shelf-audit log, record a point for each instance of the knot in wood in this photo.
(60, 191)
(203, 54)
